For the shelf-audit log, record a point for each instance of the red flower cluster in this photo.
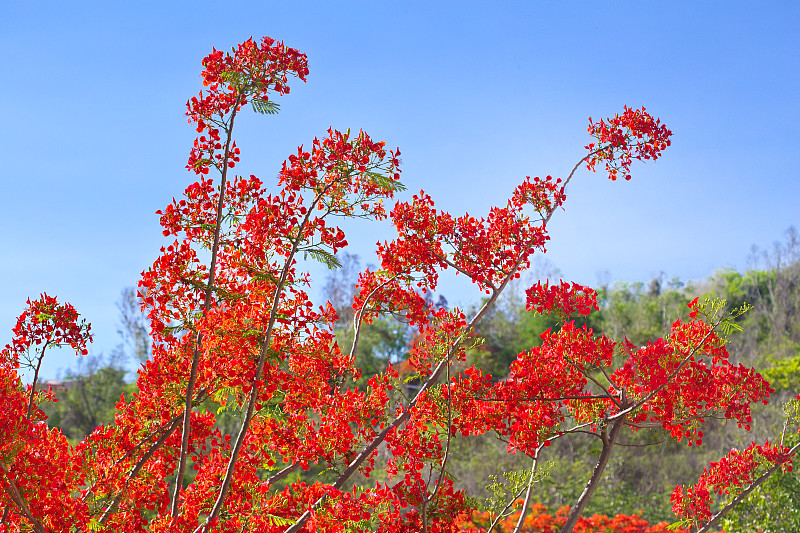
(538, 520)
(43, 324)
(564, 299)
(735, 471)
(249, 74)
(633, 135)
(486, 250)
(681, 379)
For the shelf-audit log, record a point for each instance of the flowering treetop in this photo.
(234, 329)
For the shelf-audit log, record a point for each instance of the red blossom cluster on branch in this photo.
(733, 472)
(45, 323)
(565, 299)
(621, 139)
(249, 74)
(39, 471)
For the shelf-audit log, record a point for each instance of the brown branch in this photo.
(540, 399)
(357, 320)
(35, 378)
(590, 377)
(649, 425)
(187, 413)
(449, 438)
(552, 210)
(283, 473)
(609, 438)
(529, 491)
(502, 514)
(608, 377)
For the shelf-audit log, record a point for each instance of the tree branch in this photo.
(609, 438)
(187, 413)
(35, 378)
(528, 492)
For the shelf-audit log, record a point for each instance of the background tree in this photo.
(88, 398)
(132, 328)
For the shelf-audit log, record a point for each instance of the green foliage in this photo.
(629, 310)
(384, 182)
(323, 256)
(383, 341)
(265, 107)
(511, 487)
(506, 330)
(784, 374)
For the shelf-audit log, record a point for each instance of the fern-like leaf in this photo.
(326, 258)
(385, 182)
(278, 520)
(265, 107)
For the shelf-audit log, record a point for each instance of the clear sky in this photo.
(476, 95)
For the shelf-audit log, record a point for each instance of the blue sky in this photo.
(476, 95)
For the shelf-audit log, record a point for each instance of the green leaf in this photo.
(263, 275)
(278, 520)
(679, 525)
(385, 182)
(236, 79)
(326, 258)
(265, 107)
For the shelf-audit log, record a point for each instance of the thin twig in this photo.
(187, 413)
(283, 473)
(527, 501)
(35, 378)
(502, 514)
(449, 436)
(609, 438)
(358, 318)
(541, 399)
